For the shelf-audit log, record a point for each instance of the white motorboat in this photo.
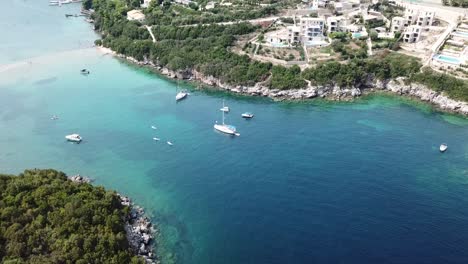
(156, 139)
(154, 127)
(170, 143)
(74, 138)
(224, 108)
(247, 115)
(54, 117)
(225, 128)
(443, 147)
(181, 95)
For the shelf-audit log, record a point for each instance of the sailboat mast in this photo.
(223, 116)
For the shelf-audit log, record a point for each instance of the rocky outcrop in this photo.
(398, 86)
(138, 227)
(140, 232)
(423, 93)
(80, 179)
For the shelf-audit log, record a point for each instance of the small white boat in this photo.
(153, 127)
(156, 139)
(247, 115)
(181, 95)
(224, 108)
(74, 138)
(443, 147)
(225, 128)
(54, 117)
(169, 143)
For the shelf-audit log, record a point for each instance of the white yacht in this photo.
(180, 95)
(74, 138)
(224, 108)
(228, 129)
(443, 147)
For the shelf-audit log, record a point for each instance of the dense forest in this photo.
(46, 218)
(206, 48)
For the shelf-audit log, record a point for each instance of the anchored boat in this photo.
(74, 138)
(224, 108)
(225, 128)
(443, 147)
(180, 95)
(247, 115)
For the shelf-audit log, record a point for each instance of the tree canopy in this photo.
(46, 218)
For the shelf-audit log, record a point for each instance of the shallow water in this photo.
(312, 182)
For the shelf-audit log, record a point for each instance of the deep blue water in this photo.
(311, 182)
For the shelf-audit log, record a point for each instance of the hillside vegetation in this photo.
(206, 48)
(46, 218)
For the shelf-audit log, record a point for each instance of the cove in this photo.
(310, 182)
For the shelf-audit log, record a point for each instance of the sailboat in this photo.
(228, 129)
(224, 108)
(180, 95)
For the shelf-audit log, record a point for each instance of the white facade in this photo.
(412, 34)
(312, 28)
(343, 6)
(398, 24)
(319, 4)
(294, 34)
(337, 24)
(419, 17)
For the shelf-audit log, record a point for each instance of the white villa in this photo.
(412, 34)
(337, 24)
(312, 29)
(135, 15)
(412, 24)
(419, 17)
(309, 31)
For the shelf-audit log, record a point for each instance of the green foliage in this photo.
(453, 87)
(356, 71)
(45, 218)
(456, 3)
(286, 78)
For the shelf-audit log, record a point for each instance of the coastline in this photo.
(139, 230)
(398, 86)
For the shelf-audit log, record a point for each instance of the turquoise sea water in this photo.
(312, 182)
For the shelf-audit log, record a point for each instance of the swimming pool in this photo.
(460, 34)
(357, 35)
(448, 59)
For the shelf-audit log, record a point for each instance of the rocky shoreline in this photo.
(399, 86)
(139, 230)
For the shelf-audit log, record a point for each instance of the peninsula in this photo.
(49, 218)
(296, 49)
